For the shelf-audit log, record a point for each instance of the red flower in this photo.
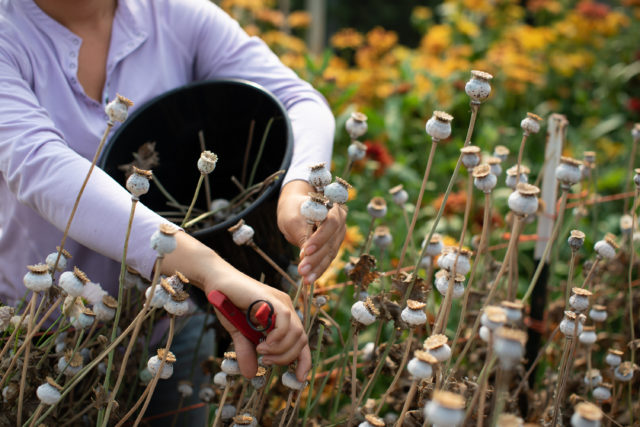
(634, 105)
(593, 10)
(378, 152)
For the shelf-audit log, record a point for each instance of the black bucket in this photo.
(224, 111)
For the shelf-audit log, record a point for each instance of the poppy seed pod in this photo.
(592, 378)
(241, 233)
(289, 380)
(161, 293)
(470, 156)
(437, 346)
(586, 414)
(421, 365)
(445, 409)
(636, 178)
(319, 176)
(483, 179)
(602, 392)
(413, 314)
(435, 245)
(371, 420)
(83, 318)
(451, 257)
(509, 345)
(356, 125)
(576, 240)
(613, 357)
(185, 388)
(513, 310)
(438, 127)
(598, 313)
(118, 109)
(260, 380)
(206, 393)
(442, 283)
(399, 195)
(606, 247)
(163, 241)
(493, 317)
(364, 312)
(62, 262)
(579, 299)
(626, 223)
(207, 162)
(105, 309)
(230, 364)
(49, 392)
(221, 379)
(337, 191)
(220, 207)
(568, 172)
(314, 209)
(6, 313)
(382, 237)
(154, 363)
(177, 304)
(70, 363)
(589, 157)
(501, 152)
(495, 164)
(228, 412)
(356, 151)
(524, 201)
(531, 124)
(377, 207)
(569, 327)
(512, 179)
(588, 336)
(624, 371)
(10, 392)
(38, 278)
(478, 87)
(138, 182)
(244, 420)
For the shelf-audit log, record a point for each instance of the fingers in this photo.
(245, 351)
(322, 246)
(304, 364)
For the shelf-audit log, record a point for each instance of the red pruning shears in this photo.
(258, 321)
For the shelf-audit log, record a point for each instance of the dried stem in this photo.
(273, 264)
(568, 287)
(193, 201)
(284, 411)
(354, 367)
(483, 383)
(632, 255)
(408, 400)
(535, 362)
(25, 363)
(627, 178)
(563, 363)
(405, 357)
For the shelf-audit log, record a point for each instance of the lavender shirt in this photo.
(49, 127)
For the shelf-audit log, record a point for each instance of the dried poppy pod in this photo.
(178, 303)
(118, 109)
(161, 293)
(399, 195)
(478, 87)
(377, 207)
(72, 282)
(138, 182)
(442, 283)
(509, 346)
(614, 357)
(445, 409)
(244, 420)
(371, 420)
(579, 299)
(185, 388)
(413, 314)
(314, 209)
(83, 318)
(509, 420)
(382, 237)
(337, 192)
(221, 379)
(6, 313)
(154, 363)
(626, 224)
(576, 240)
(435, 245)
(483, 179)
(602, 391)
(241, 233)
(228, 412)
(513, 310)
(356, 125)
(105, 309)
(493, 317)
(606, 248)
(49, 392)
(163, 240)
(230, 364)
(495, 164)
(588, 335)
(364, 312)
(524, 201)
(289, 380)
(531, 124)
(592, 378)
(456, 259)
(62, 262)
(70, 363)
(422, 364)
(636, 178)
(569, 327)
(260, 380)
(319, 176)
(586, 414)
(635, 131)
(513, 178)
(568, 172)
(470, 156)
(437, 346)
(501, 152)
(598, 313)
(206, 393)
(624, 371)
(356, 151)
(438, 127)
(38, 278)
(207, 162)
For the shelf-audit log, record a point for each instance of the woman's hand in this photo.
(286, 343)
(320, 249)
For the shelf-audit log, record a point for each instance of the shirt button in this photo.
(76, 42)
(72, 54)
(72, 65)
(72, 80)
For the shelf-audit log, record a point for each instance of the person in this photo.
(61, 62)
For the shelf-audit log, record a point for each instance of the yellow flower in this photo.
(467, 27)
(293, 60)
(273, 17)
(381, 40)
(437, 39)
(299, 19)
(347, 38)
(422, 13)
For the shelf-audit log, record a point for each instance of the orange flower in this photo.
(299, 19)
(378, 152)
(347, 38)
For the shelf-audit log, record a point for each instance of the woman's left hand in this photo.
(321, 247)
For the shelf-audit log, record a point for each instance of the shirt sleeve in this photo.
(46, 174)
(224, 49)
